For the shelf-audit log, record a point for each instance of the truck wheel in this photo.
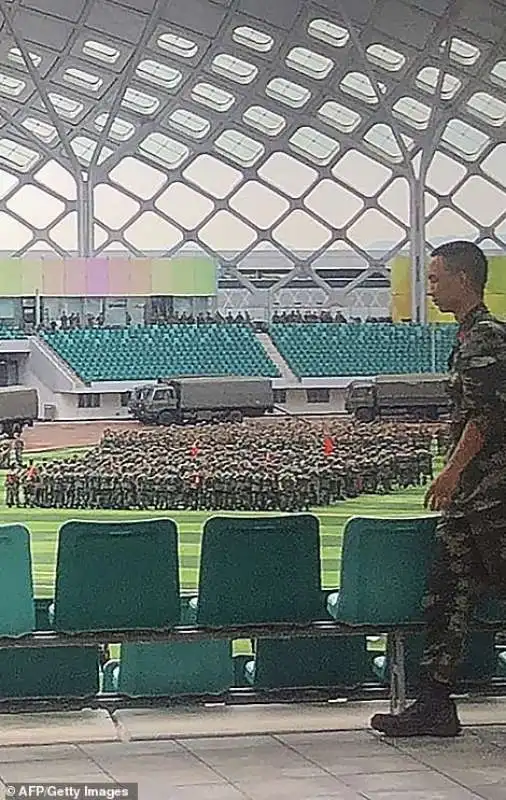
(235, 416)
(364, 414)
(165, 418)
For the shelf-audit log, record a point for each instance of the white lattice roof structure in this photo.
(322, 133)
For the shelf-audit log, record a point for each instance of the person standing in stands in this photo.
(470, 491)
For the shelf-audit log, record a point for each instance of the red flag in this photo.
(194, 450)
(328, 445)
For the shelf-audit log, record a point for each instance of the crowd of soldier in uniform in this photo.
(279, 465)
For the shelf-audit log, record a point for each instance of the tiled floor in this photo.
(346, 764)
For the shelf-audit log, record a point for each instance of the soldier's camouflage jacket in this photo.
(477, 387)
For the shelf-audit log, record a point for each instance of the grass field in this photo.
(44, 524)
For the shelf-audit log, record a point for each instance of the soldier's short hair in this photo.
(465, 257)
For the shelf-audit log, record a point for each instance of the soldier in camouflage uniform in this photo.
(470, 491)
(262, 465)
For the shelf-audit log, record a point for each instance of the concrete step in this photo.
(275, 356)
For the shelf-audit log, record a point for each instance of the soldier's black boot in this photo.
(433, 714)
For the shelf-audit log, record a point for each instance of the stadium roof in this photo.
(233, 125)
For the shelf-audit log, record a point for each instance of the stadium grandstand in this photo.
(234, 190)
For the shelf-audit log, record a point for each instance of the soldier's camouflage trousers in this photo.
(470, 561)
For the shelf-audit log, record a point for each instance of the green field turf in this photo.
(44, 523)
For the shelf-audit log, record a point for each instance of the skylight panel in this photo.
(463, 139)
(385, 57)
(358, 85)
(178, 45)
(264, 120)
(65, 106)
(315, 146)
(328, 32)
(427, 80)
(252, 38)
(286, 92)
(412, 112)
(140, 102)
(487, 108)
(462, 52)
(42, 130)
(159, 74)
(381, 139)
(17, 155)
(234, 68)
(121, 130)
(213, 97)
(188, 123)
(16, 57)
(164, 150)
(339, 117)
(238, 147)
(101, 52)
(309, 63)
(11, 87)
(84, 147)
(498, 74)
(82, 79)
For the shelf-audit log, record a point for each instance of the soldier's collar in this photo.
(470, 318)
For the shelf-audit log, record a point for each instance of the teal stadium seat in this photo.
(7, 332)
(17, 608)
(260, 570)
(117, 575)
(334, 349)
(175, 668)
(342, 661)
(151, 352)
(384, 570)
(267, 570)
(30, 672)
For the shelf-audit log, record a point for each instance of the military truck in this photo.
(202, 399)
(423, 397)
(19, 406)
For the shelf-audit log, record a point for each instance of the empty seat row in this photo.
(333, 349)
(7, 332)
(117, 576)
(151, 352)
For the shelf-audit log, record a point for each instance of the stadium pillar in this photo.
(84, 216)
(417, 247)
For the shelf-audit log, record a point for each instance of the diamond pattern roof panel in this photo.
(248, 126)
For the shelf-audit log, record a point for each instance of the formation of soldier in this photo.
(257, 465)
(11, 451)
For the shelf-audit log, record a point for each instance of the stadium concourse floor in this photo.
(267, 752)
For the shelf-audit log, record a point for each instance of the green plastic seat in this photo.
(17, 608)
(175, 668)
(309, 663)
(259, 570)
(117, 575)
(49, 672)
(147, 353)
(384, 570)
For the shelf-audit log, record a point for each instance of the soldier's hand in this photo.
(442, 490)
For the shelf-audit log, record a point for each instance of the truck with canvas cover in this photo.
(19, 406)
(202, 399)
(422, 396)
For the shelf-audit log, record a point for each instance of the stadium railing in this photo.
(259, 580)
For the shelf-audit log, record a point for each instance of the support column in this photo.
(417, 245)
(84, 216)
